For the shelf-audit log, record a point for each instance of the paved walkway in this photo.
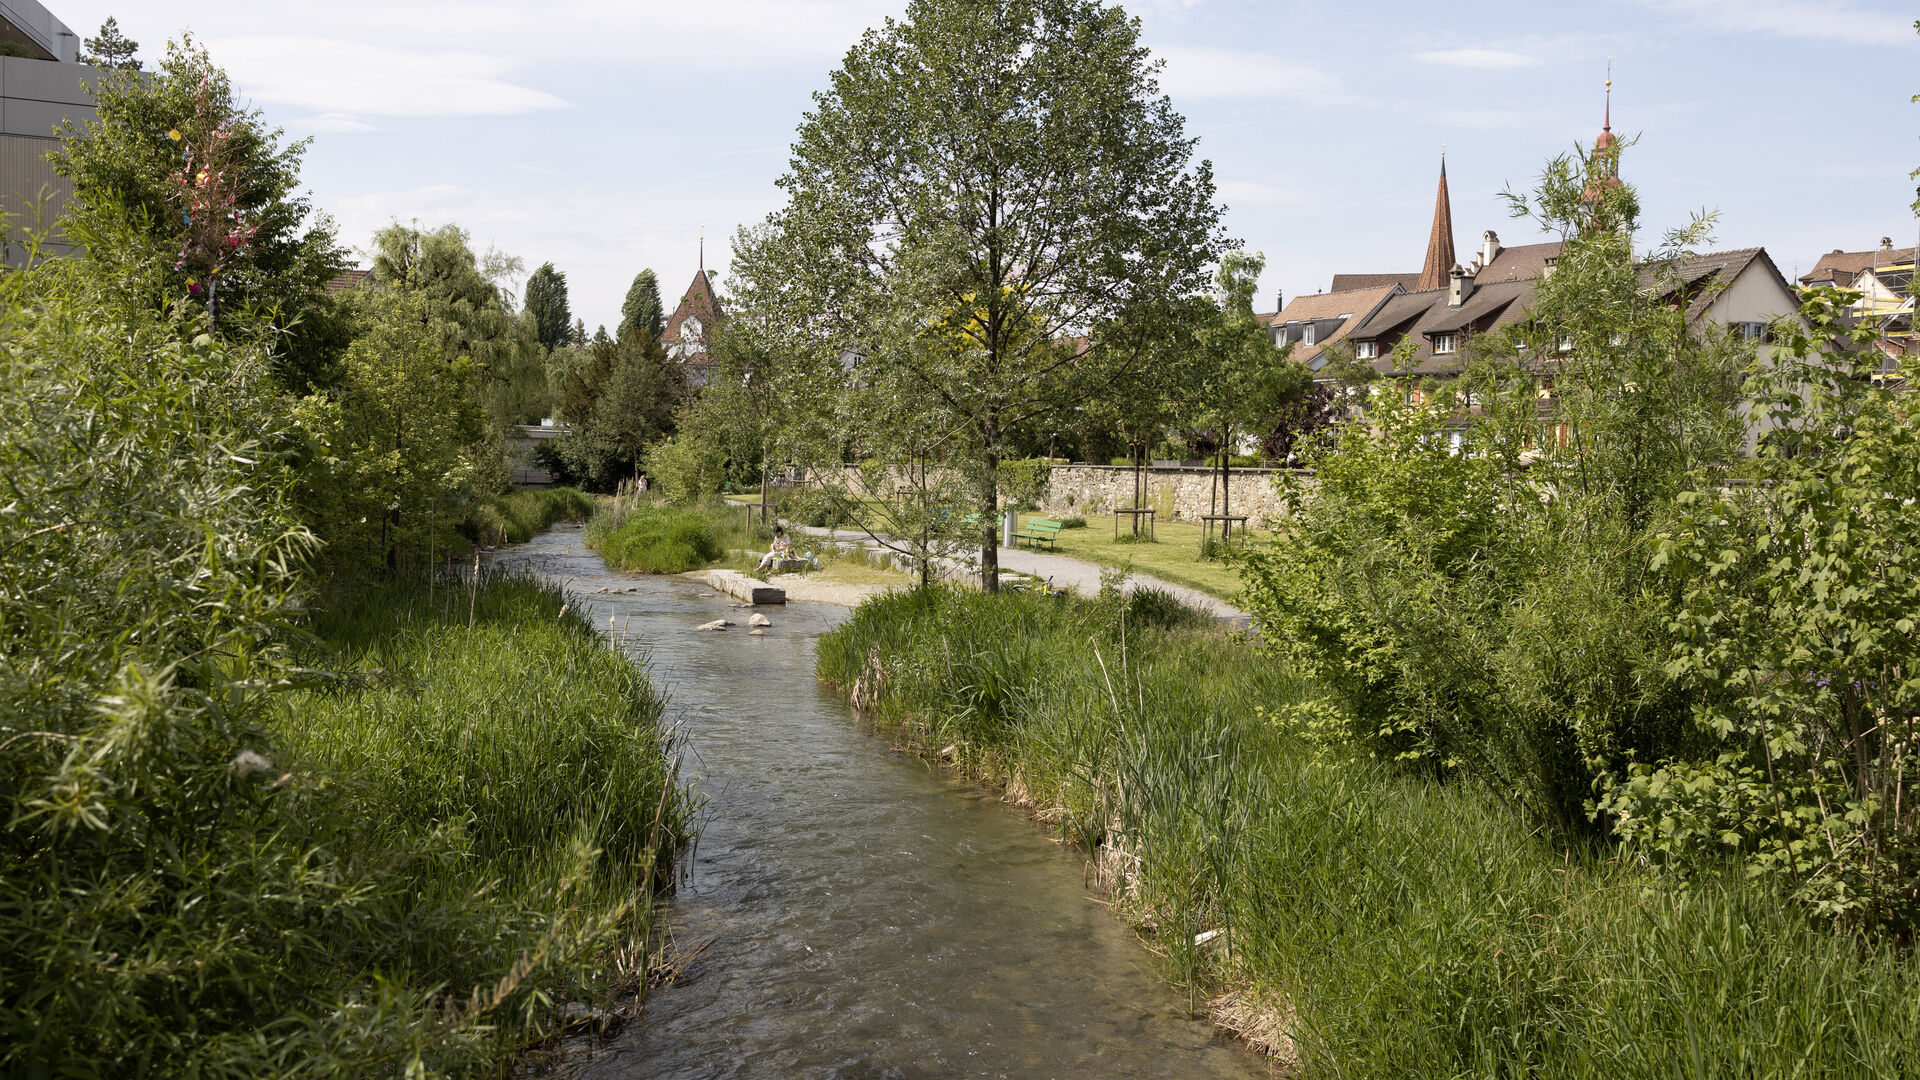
(1063, 572)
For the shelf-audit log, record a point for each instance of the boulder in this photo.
(757, 633)
(758, 619)
(717, 624)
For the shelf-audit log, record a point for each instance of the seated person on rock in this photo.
(781, 551)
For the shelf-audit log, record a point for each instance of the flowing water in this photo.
(868, 917)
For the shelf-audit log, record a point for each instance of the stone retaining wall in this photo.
(1182, 493)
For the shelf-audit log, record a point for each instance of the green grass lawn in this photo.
(1174, 556)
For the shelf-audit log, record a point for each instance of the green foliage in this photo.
(1073, 521)
(184, 894)
(405, 443)
(1490, 609)
(1389, 924)
(125, 164)
(1024, 482)
(522, 514)
(472, 314)
(1039, 209)
(547, 303)
(617, 398)
(1794, 619)
(656, 539)
(641, 312)
(687, 468)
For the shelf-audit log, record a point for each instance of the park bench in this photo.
(1041, 530)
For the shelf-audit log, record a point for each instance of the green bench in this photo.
(1041, 530)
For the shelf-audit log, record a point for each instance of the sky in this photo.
(610, 135)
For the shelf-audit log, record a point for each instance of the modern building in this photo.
(42, 84)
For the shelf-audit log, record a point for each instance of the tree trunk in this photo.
(763, 487)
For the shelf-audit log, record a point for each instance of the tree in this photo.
(405, 439)
(617, 400)
(547, 303)
(986, 193)
(110, 49)
(1243, 380)
(462, 297)
(166, 172)
(642, 312)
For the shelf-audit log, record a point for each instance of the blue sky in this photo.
(606, 135)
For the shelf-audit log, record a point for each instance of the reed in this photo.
(1383, 923)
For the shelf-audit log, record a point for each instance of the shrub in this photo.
(1073, 521)
(655, 540)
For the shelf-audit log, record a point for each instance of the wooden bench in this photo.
(1041, 530)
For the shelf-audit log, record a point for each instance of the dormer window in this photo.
(1364, 350)
(1565, 344)
(1443, 344)
(1307, 334)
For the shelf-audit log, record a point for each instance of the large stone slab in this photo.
(745, 589)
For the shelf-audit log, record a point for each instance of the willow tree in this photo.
(984, 207)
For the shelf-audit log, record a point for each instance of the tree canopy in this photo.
(547, 303)
(642, 311)
(110, 48)
(987, 195)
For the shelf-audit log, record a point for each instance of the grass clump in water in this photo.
(1386, 923)
(655, 539)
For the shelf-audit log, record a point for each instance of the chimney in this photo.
(1279, 299)
(1886, 243)
(1459, 286)
(1546, 266)
(1489, 247)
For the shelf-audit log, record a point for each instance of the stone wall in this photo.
(1179, 492)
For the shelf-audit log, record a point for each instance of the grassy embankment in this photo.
(520, 514)
(1174, 554)
(1385, 924)
(490, 733)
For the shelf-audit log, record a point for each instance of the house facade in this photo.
(42, 84)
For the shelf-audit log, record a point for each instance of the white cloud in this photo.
(331, 123)
(1197, 72)
(1481, 59)
(1255, 193)
(350, 78)
(1836, 20)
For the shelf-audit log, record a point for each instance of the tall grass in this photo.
(662, 539)
(487, 724)
(520, 514)
(1384, 924)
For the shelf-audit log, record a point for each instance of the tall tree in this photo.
(547, 301)
(167, 171)
(471, 311)
(986, 193)
(110, 49)
(642, 312)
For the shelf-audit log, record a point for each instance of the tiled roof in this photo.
(347, 280)
(1523, 263)
(1840, 267)
(1357, 304)
(1699, 274)
(1351, 282)
(1397, 313)
(1486, 301)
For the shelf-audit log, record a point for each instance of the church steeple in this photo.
(1433, 274)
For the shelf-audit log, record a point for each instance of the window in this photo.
(1565, 344)
(1364, 350)
(1443, 343)
(1307, 334)
(1750, 331)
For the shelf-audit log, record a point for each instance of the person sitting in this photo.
(782, 549)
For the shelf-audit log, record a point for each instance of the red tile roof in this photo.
(1433, 273)
(347, 280)
(700, 303)
(1838, 267)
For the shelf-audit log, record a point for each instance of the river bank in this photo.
(852, 913)
(1379, 922)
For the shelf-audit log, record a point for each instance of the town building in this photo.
(686, 332)
(42, 85)
(1884, 279)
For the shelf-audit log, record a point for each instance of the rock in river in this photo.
(717, 624)
(759, 620)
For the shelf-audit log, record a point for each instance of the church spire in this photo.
(1433, 275)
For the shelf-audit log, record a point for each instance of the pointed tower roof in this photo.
(1433, 273)
(685, 334)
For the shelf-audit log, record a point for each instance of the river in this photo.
(868, 916)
